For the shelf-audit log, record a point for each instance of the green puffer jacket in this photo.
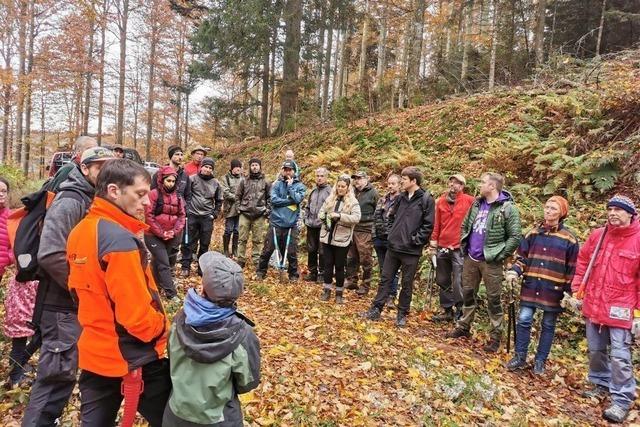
(504, 230)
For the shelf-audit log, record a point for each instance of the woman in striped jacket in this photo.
(546, 260)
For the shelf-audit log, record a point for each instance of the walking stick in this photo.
(511, 320)
(431, 278)
(587, 274)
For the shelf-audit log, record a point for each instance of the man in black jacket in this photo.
(410, 225)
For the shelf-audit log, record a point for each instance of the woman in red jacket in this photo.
(165, 216)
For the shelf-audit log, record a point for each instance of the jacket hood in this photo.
(164, 172)
(77, 181)
(503, 197)
(213, 342)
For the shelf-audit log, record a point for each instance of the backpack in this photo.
(25, 226)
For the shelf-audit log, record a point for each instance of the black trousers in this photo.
(164, 254)
(408, 265)
(101, 396)
(335, 261)
(20, 354)
(200, 229)
(449, 277)
(315, 252)
(270, 246)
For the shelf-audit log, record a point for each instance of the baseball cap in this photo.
(288, 164)
(360, 174)
(459, 177)
(96, 154)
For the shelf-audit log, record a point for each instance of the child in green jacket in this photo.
(214, 353)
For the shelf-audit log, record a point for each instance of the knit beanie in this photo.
(622, 202)
(207, 161)
(562, 203)
(235, 163)
(254, 160)
(172, 150)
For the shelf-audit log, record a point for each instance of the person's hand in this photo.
(290, 180)
(511, 278)
(571, 302)
(334, 215)
(635, 328)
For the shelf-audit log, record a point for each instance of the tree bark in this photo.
(289, 90)
(327, 64)
(22, 54)
(320, 53)
(151, 98)
(123, 13)
(382, 50)
(494, 44)
(334, 71)
(363, 49)
(600, 28)
(103, 30)
(26, 146)
(87, 85)
(264, 102)
(538, 42)
(415, 49)
(467, 42)
(272, 78)
(42, 134)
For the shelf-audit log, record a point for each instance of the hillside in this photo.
(579, 134)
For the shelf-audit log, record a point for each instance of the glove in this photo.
(572, 303)
(635, 328)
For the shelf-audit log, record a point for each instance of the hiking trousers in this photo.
(162, 262)
(200, 230)
(254, 227)
(360, 255)
(408, 265)
(449, 264)
(270, 247)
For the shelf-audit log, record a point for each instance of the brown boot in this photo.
(363, 290)
(339, 299)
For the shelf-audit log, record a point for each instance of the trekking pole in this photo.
(284, 257)
(511, 320)
(275, 243)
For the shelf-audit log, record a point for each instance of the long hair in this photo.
(349, 199)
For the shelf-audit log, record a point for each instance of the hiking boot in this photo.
(401, 320)
(492, 346)
(320, 278)
(597, 392)
(348, 284)
(339, 299)
(615, 414)
(293, 279)
(372, 314)
(225, 244)
(538, 367)
(260, 275)
(363, 290)
(391, 302)
(445, 317)
(185, 272)
(519, 361)
(311, 278)
(326, 294)
(458, 333)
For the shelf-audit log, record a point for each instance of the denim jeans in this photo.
(523, 331)
(611, 369)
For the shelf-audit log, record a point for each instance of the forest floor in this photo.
(323, 365)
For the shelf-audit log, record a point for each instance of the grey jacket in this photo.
(229, 184)
(62, 216)
(316, 198)
(206, 197)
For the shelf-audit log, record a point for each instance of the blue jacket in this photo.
(285, 202)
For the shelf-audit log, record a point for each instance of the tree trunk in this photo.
(151, 98)
(103, 29)
(327, 65)
(122, 24)
(538, 37)
(42, 135)
(363, 49)
(494, 44)
(334, 71)
(404, 58)
(137, 89)
(600, 28)
(272, 78)
(264, 102)
(26, 146)
(186, 118)
(291, 64)
(415, 49)
(467, 42)
(87, 87)
(382, 50)
(320, 53)
(22, 54)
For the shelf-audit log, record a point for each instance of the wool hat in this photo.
(96, 154)
(222, 278)
(562, 203)
(208, 161)
(255, 160)
(235, 163)
(622, 202)
(173, 149)
(459, 177)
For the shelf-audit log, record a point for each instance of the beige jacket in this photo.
(343, 231)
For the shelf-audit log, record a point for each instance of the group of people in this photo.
(108, 214)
